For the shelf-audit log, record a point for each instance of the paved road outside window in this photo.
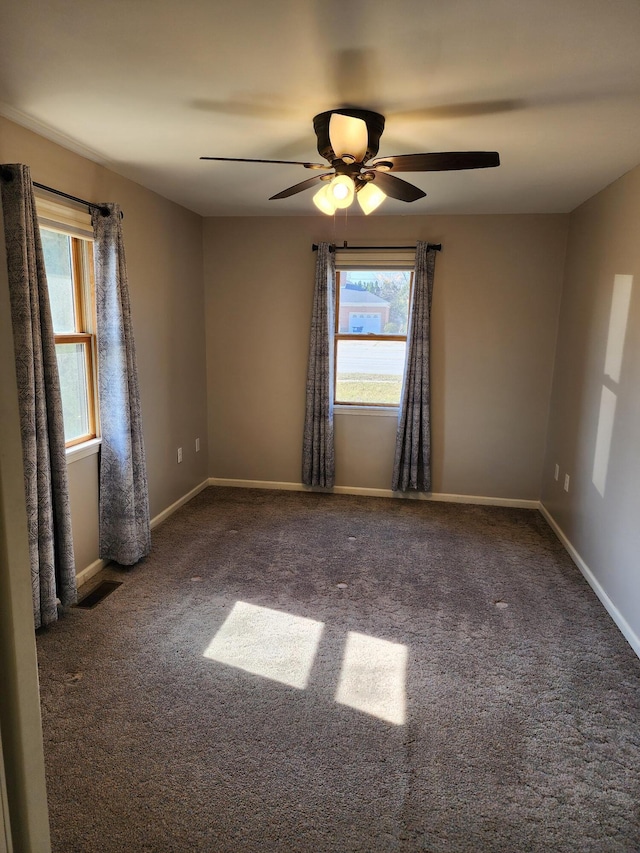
(373, 357)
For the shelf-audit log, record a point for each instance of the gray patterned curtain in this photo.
(317, 450)
(412, 463)
(53, 572)
(125, 534)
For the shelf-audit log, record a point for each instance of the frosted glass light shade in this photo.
(370, 197)
(348, 135)
(342, 190)
(323, 200)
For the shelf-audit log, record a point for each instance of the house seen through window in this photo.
(372, 311)
(68, 262)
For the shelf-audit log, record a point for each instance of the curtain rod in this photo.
(103, 210)
(7, 175)
(437, 247)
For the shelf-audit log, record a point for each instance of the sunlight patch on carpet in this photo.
(373, 677)
(270, 643)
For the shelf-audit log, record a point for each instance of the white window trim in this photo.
(65, 217)
(368, 411)
(376, 259)
(80, 451)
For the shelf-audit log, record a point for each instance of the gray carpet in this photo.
(468, 692)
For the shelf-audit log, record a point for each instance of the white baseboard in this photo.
(257, 484)
(442, 497)
(627, 631)
(632, 638)
(162, 516)
(377, 493)
(86, 574)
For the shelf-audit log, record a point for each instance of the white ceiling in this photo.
(147, 86)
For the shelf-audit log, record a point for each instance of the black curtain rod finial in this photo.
(7, 175)
(104, 211)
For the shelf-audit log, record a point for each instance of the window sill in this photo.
(368, 411)
(80, 451)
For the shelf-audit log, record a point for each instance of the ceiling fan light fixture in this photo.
(370, 197)
(324, 201)
(349, 137)
(342, 190)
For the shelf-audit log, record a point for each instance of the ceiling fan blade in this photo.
(348, 135)
(298, 188)
(467, 109)
(260, 107)
(396, 188)
(440, 161)
(287, 162)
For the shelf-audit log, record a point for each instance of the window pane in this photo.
(57, 262)
(72, 366)
(370, 371)
(374, 302)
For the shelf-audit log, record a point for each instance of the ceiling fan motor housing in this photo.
(375, 126)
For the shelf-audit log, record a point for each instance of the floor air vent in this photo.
(96, 595)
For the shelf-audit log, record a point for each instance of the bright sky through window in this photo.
(372, 311)
(68, 262)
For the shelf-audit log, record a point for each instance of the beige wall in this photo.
(163, 244)
(496, 299)
(596, 442)
(83, 498)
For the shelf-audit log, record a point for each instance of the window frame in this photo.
(76, 226)
(342, 336)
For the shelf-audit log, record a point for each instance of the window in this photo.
(372, 312)
(68, 259)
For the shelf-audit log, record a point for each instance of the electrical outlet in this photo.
(197, 445)
(179, 455)
(566, 482)
(556, 473)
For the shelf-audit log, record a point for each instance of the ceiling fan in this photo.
(349, 140)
